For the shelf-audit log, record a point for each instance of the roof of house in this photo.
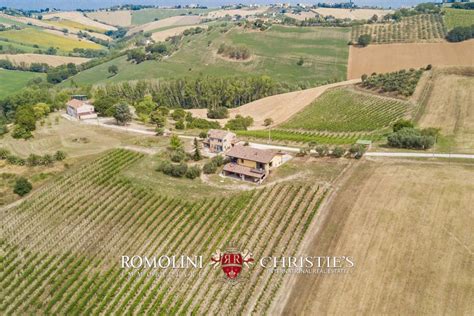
(239, 169)
(253, 154)
(218, 133)
(76, 103)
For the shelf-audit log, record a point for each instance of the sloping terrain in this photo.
(394, 57)
(12, 80)
(51, 60)
(171, 21)
(233, 12)
(447, 102)
(62, 252)
(408, 227)
(118, 18)
(458, 17)
(277, 107)
(161, 36)
(79, 18)
(144, 16)
(353, 14)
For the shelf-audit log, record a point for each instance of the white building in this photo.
(80, 109)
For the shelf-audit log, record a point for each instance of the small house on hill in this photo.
(251, 164)
(219, 141)
(80, 108)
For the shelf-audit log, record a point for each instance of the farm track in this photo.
(61, 255)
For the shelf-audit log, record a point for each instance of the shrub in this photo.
(364, 40)
(239, 123)
(218, 161)
(460, 33)
(402, 124)
(178, 114)
(159, 131)
(4, 153)
(357, 150)
(21, 132)
(193, 172)
(268, 121)
(180, 125)
(59, 155)
(178, 155)
(234, 52)
(338, 152)
(218, 113)
(410, 138)
(22, 186)
(209, 168)
(203, 134)
(322, 150)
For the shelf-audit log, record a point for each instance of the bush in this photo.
(173, 170)
(21, 132)
(203, 134)
(234, 52)
(4, 153)
(218, 161)
(364, 40)
(209, 168)
(180, 125)
(239, 123)
(22, 186)
(322, 150)
(338, 152)
(193, 172)
(178, 114)
(59, 155)
(159, 131)
(178, 156)
(410, 138)
(357, 151)
(460, 33)
(218, 113)
(268, 121)
(402, 124)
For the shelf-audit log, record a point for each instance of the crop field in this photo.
(52, 60)
(447, 102)
(343, 110)
(458, 17)
(78, 20)
(47, 271)
(394, 57)
(418, 28)
(408, 226)
(276, 52)
(144, 16)
(171, 21)
(11, 80)
(117, 18)
(43, 39)
(353, 14)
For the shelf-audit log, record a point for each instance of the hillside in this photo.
(275, 53)
(12, 80)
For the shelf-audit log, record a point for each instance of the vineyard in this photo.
(61, 247)
(344, 110)
(417, 28)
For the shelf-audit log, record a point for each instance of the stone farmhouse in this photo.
(220, 141)
(80, 108)
(251, 164)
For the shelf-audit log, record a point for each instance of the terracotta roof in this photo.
(218, 133)
(239, 169)
(253, 154)
(76, 103)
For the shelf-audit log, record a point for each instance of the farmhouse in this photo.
(219, 141)
(251, 164)
(80, 108)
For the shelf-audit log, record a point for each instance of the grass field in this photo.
(458, 17)
(24, 48)
(52, 60)
(149, 15)
(275, 51)
(118, 18)
(408, 226)
(76, 25)
(79, 272)
(12, 81)
(447, 102)
(343, 110)
(31, 36)
(418, 28)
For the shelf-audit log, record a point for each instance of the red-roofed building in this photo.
(80, 108)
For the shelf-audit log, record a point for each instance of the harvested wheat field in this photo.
(172, 21)
(302, 15)
(279, 107)
(242, 12)
(393, 57)
(117, 18)
(447, 102)
(410, 238)
(353, 14)
(51, 60)
(80, 18)
(161, 36)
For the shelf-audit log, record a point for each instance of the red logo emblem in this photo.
(232, 261)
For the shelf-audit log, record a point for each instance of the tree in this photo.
(338, 152)
(41, 110)
(209, 167)
(218, 113)
(197, 153)
(146, 106)
(193, 172)
(180, 125)
(157, 118)
(268, 121)
(203, 134)
(175, 142)
(113, 69)
(300, 61)
(22, 186)
(322, 150)
(364, 40)
(402, 124)
(122, 114)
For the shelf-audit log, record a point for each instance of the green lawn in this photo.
(274, 53)
(11, 81)
(32, 36)
(343, 110)
(458, 17)
(148, 15)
